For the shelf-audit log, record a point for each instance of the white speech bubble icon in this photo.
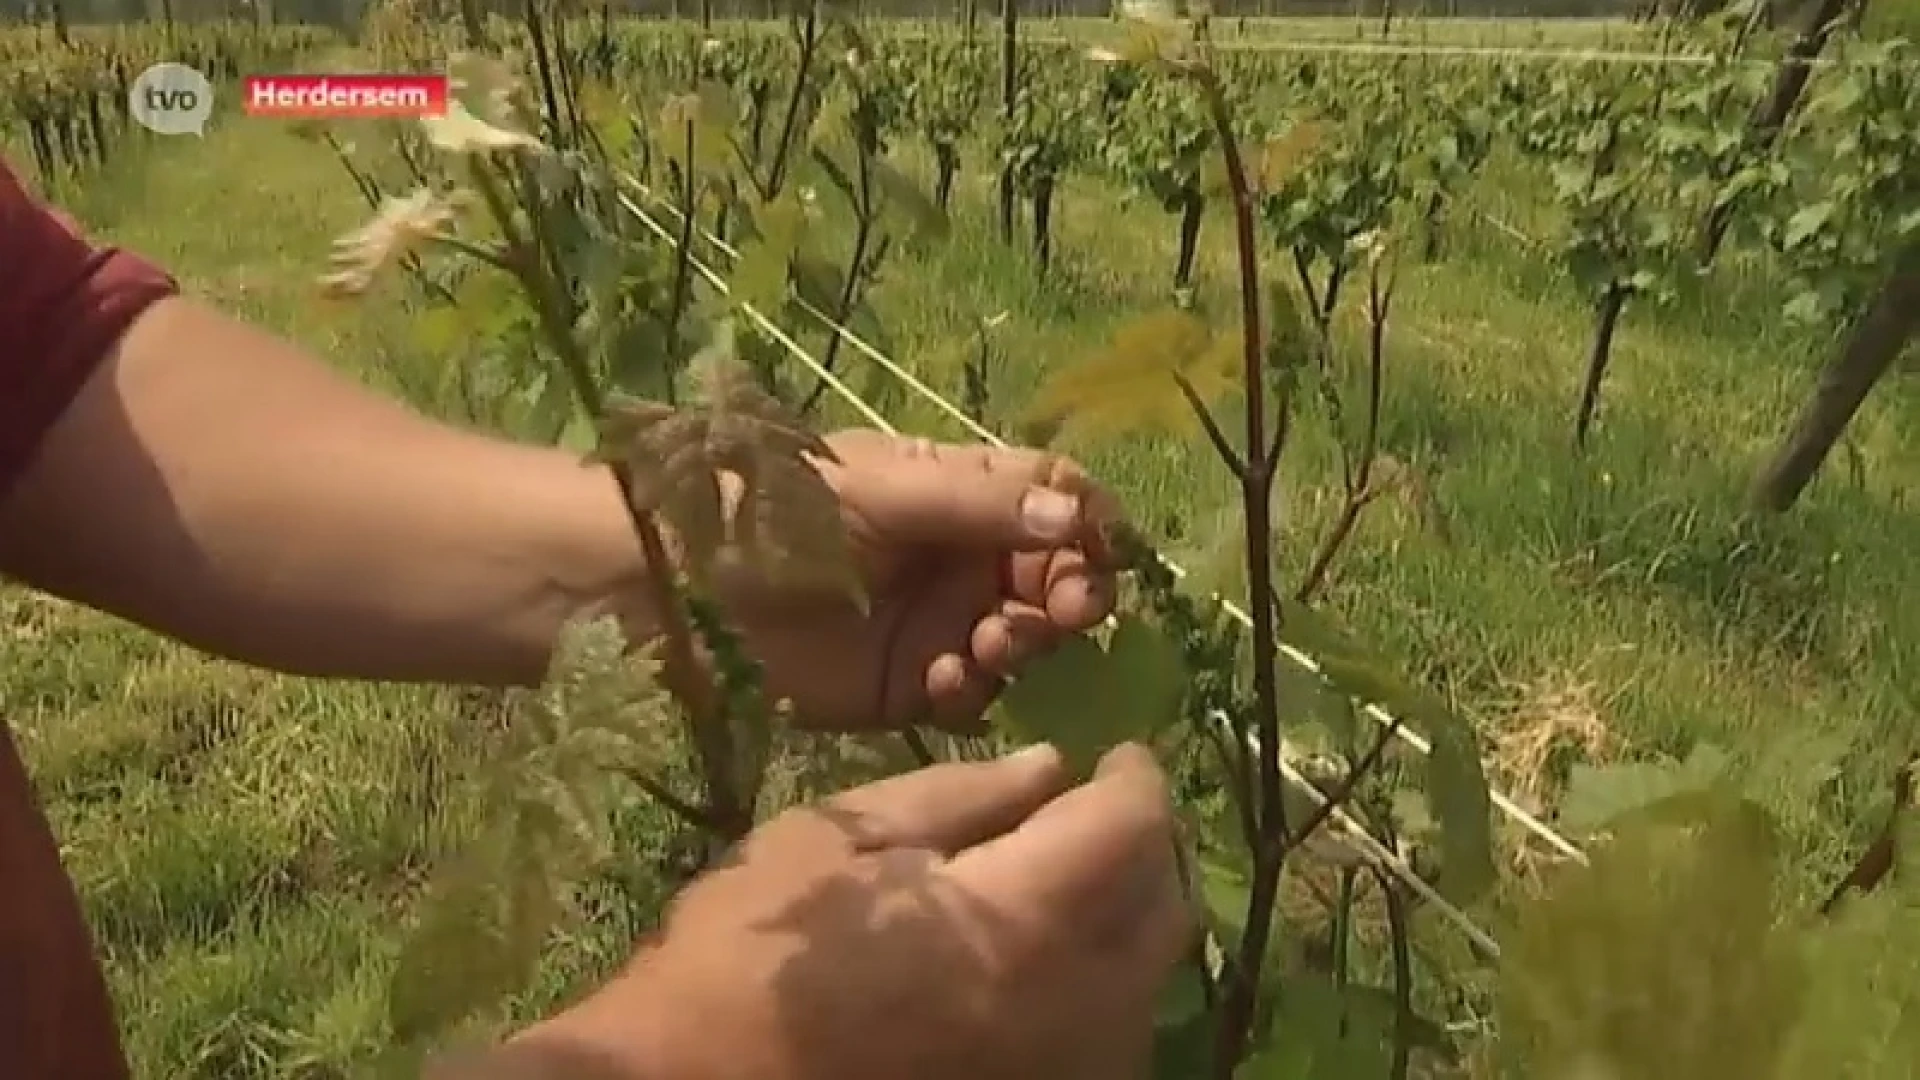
(171, 99)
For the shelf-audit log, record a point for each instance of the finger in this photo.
(1097, 860)
(1083, 600)
(1074, 590)
(928, 651)
(1167, 919)
(1010, 637)
(980, 497)
(958, 693)
(951, 806)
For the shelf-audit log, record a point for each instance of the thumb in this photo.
(1001, 498)
(1099, 860)
(951, 806)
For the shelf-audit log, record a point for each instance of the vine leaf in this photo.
(1183, 1049)
(1085, 699)
(458, 131)
(1290, 343)
(831, 132)
(1183, 1025)
(480, 938)
(1318, 716)
(484, 114)
(1457, 797)
(1325, 1030)
(487, 916)
(488, 307)
(609, 114)
(816, 280)
(1461, 805)
(1222, 890)
(1285, 156)
(1598, 795)
(760, 275)
(1863, 992)
(777, 520)
(1663, 957)
(1183, 997)
(925, 216)
(598, 707)
(1216, 559)
(401, 227)
(706, 117)
(1344, 661)
(1130, 385)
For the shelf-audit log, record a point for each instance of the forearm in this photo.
(215, 484)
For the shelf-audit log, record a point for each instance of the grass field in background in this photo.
(246, 844)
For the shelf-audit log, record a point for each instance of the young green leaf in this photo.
(1222, 892)
(1285, 156)
(783, 525)
(1599, 794)
(485, 923)
(926, 217)
(761, 272)
(458, 131)
(1085, 700)
(701, 122)
(1183, 997)
(1318, 716)
(1664, 957)
(401, 227)
(1290, 343)
(1183, 1029)
(1324, 1030)
(485, 113)
(1458, 797)
(1863, 993)
(670, 473)
(1130, 386)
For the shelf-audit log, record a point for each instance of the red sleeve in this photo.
(63, 304)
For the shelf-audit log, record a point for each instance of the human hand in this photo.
(961, 921)
(976, 560)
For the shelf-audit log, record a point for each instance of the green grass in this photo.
(247, 844)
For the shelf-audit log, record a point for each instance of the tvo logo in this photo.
(171, 99)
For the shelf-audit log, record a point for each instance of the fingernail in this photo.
(1048, 514)
(1032, 755)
